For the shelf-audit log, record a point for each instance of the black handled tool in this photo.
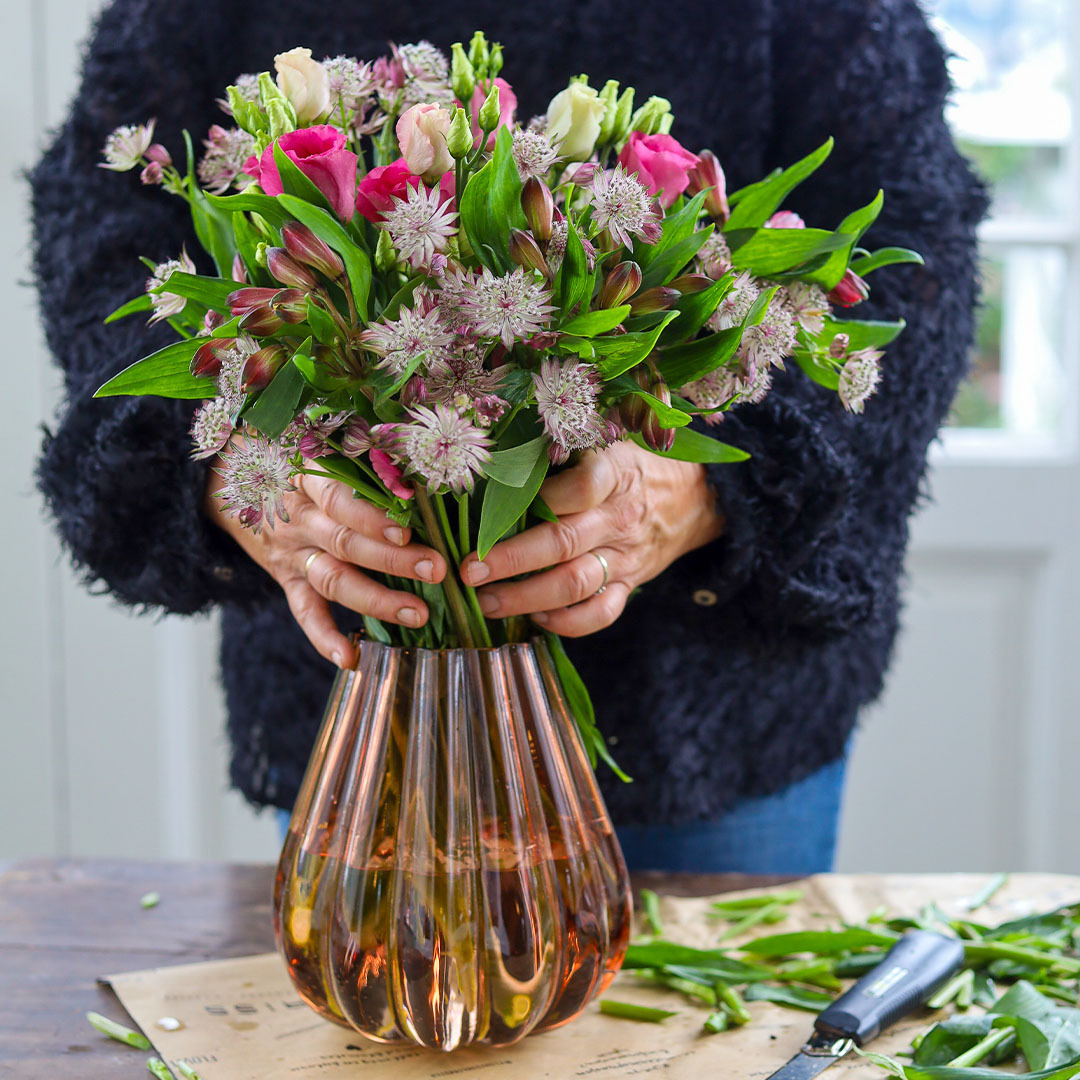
(910, 973)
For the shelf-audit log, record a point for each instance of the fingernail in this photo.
(478, 572)
(408, 616)
(488, 604)
(338, 659)
(394, 535)
(425, 569)
(540, 617)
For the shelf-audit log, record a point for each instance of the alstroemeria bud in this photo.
(462, 75)
(621, 283)
(539, 208)
(284, 268)
(206, 362)
(385, 255)
(525, 251)
(260, 367)
(610, 97)
(707, 173)
(414, 392)
(633, 410)
(691, 283)
(239, 269)
(306, 248)
(657, 437)
(489, 114)
(243, 300)
(212, 320)
(459, 136)
(260, 321)
(850, 290)
(658, 298)
(291, 305)
(478, 54)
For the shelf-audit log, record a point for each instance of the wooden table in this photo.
(64, 922)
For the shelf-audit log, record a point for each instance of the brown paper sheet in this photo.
(243, 1021)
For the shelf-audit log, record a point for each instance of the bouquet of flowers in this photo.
(422, 296)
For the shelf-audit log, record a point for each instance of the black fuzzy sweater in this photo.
(708, 704)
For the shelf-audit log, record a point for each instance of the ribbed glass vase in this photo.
(450, 874)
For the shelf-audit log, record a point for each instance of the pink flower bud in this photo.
(414, 392)
(839, 346)
(306, 248)
(290, 305)
(634, 410)
(584, 174)
(206, 362)
(851, 290)
(658, 298)
(621, 283)
(151, 174)
(284, 268)
(239, 270)
(260, 321)
(157, 153)
(656, 436)
(243, 300)
(785, 219)
(526, 252)
(539, 208)
(488, 409)
(260, 367)
(708, 174)
(691, 283)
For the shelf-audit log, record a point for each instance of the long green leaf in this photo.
(866, 334)
(504, 504)
(212, 226)
(572, 280)
(266, 206)
(756, 204)
(165, 373)
(209, 291)
(513, 467)
(823, 373)
(768, 252)
(132, 307)
(592, 323)
(691, 445)
(675, 228)
(491, 206)
(275, 407)
(822, 942)
(793, 996)
(694, 312)
(619, 354)
(853, 226)
(945, 1072)
(666, 414)
(889, 256)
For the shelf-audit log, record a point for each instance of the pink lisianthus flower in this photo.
(507, 108)
(389, 473)
(662, 164)
(320, 154)
(375, 194)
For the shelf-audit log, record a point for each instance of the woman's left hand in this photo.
(638, 510)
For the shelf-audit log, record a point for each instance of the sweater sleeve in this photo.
(116, 473)
(816, 520)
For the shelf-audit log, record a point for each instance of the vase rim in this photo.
(533, 642)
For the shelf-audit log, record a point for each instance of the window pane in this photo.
(1025, 181)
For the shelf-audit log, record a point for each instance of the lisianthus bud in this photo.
(478, 54)
(656, 436)
(647, 118)
(610, 97)
(243, 300)
(633, 410)
(414, 392)
(459, 137)
(525, 251)
(539, 208)
(260, 253)
(573, 121)
(658, 298)
(851, 290)
(691, 283)
(239, 269)
(623, 112)
(260, 321)
(274, 102)
(280, 121)
(462, 74)
(385, 255)
(288, 271)
(495, 60)
(421, 134)
(306, 248)
(291, 305)
(490, 111)
(708, 174)
(247, 114)
(206, 363)
(260, 367)
(305, 83)
(621, 283)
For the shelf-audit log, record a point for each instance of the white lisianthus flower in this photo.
(305, 82)
(573, 121)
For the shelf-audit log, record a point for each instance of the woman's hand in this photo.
(342, 533)
(638, 510)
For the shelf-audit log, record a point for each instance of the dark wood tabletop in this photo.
(65, 922)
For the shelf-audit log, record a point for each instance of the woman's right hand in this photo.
(347, 533)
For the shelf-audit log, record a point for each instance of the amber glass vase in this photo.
(450, 874)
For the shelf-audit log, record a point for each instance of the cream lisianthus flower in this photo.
(573, 121)
(305, 82)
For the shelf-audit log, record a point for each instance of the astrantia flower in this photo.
(566, 393)
(360, 437)
(311, 438)
(624, 207)
(167, 304)
(351, 83)
(420, 224)
(211, 427)
(125, 147)
(556, 251)
(223, 162)
(720, 386)
(231, 392)
(809, 305)
(427, 74)
(715, 256)
(247, 86)
(509, 307)
(859, 378)
(533, 154)
(771, 340)
(460, 373)
(400, 341)
(444, 448)
(736, 304)
(256, 477)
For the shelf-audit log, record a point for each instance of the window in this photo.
(1012, 113)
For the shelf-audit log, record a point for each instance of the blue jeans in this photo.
(791, 832)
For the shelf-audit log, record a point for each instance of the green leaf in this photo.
(322, 325)
(295, 183)
(674, 229)
(376, 631)
(945, 1072)
(694, 312)
(735, 197)
(211, 292)
(951, 1038)
(793, 996)
(325, 226)
(212, 226)
(592, 323)
(691, 445)
(165, 373)
(821, 942)
(132, 307)
(573, 278)
(822, 372)
(853, 226)
(401, 298)
(266, 206)
(275, 407)
(118, 1031)
(714, 963)
(247, 241)
(756, 204)
(666, 414)
(650, 910)
(490, 206)
(888, 256)
(619, 354)
(768, 252)
(504, 504)
(514, 466)
(863, 335)
(674, 259)
(628, 1011)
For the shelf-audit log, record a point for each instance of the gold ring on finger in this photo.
(310, 559)
(605, 567)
